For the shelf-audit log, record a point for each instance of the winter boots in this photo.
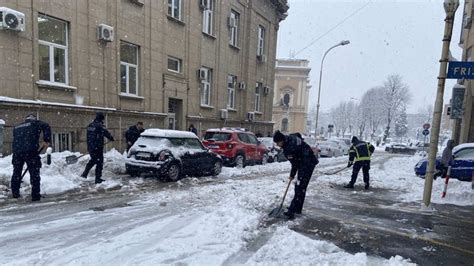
(99, 180)
(350, 185)
(366, 186)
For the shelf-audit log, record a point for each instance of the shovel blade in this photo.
(277, 212)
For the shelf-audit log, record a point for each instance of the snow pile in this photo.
(285, 243)
(60, 177)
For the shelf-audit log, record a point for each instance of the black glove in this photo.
(349, 164)
(112, 139)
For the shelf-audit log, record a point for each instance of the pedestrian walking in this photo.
(133, 133)
(95, 145)
(359, 156)
(193, 129)
(447, 158)
(26, 149)
(303, 161)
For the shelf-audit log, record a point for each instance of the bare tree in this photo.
(372, 109)
(396, 95)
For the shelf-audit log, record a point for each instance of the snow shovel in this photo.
(277, 211)
(335, 172)
(72, 159)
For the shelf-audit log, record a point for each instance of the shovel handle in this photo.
(286, 191)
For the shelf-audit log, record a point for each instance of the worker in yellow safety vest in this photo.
(359, 157)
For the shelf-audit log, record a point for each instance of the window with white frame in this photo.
(174, 9)
(234, 21)
(261, 41)
(174, 64)
(53, 49)
(231, 83)
(258, 90)
(62, 141)
(208, 17)
(128, 68)
(206, 86)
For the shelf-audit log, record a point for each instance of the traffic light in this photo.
(448, 110)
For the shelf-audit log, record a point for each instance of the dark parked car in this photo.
(400, 148)
(171, 154)
(463, 165)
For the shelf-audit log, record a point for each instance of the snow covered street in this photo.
(219, 220)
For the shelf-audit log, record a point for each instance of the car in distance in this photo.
(171, 154)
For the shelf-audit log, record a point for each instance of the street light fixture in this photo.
(450, 7)
(342, 43)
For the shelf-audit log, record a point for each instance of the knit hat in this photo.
(354, 140)
(278, 136)
(30, 116)
(99, 117)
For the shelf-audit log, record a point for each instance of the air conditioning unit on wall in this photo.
(262, 58)
(203, 4)
(202, 74)
(11, 19)
(242, 85)
(105, 33)
(266, 90)
(224, 114)
(250, 116)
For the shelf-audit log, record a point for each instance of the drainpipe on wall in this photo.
(2, 125)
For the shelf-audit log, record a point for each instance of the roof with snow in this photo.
(463, 146)
(167, 133)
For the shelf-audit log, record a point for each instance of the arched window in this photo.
(284, 125)
(286, 99)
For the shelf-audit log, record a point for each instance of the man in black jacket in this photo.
(26, 149)
(133, 133)
(302, 161)
(95, 145)
(360, 152)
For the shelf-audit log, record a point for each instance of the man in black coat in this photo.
(360, 152)
(133, 133)
(303, 161)
(26, 149)
(95, 145)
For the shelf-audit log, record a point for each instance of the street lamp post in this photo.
(450, 7)
(320, 78)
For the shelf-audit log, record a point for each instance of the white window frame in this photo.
(208, 18)
(51, 46)
(172, 4)
(206, 87)
(234, 31)
(179, 64)
(261, 40)
(231, 83)
(127, 73)
(258, 96)
(58, 142)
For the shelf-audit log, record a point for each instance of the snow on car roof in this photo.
(463, 146)
(168, 133)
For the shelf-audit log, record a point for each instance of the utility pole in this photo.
(450, 7)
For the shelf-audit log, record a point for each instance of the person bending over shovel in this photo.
(303, 161)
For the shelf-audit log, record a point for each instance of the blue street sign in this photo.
(426, 132)
(460, 70)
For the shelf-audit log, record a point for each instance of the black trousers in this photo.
(97, 159)
(304, 176)
(365, 165)
(33, 162)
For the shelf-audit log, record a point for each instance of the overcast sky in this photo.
(387, 37)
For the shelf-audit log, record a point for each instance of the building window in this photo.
(234, 21)
(261, 41)
(174, 9)
(62, 142)
(231, 83)
(286, 99)
(206, 86)
(174, 64)
(258, 90)
(128, 68)
(53, 49)
(284, 125)
(208, 17)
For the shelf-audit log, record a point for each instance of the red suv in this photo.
(236, 146)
